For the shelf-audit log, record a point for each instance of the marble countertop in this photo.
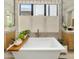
(68, 31)
(7, 29)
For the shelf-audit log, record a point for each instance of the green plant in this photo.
(23, 33)
(21, 36)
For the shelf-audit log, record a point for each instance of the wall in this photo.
(44, 24)
(26, 22)
(21, 24)
(22, 20)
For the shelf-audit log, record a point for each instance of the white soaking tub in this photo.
(40, 48)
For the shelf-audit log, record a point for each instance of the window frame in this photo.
(21, 11)
(44, 9)
(49, 9)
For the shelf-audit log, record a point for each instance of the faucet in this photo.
(37, 34)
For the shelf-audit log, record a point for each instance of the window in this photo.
(26, 9)
(51, 10)
(38, 10)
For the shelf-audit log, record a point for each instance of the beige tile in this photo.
(8, 55)
(70, 55)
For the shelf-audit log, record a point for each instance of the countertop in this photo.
(67, 31)
(8, 29)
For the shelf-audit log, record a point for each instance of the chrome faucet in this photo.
(37, 34)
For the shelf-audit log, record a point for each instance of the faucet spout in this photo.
(37, 33)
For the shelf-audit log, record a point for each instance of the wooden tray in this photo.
(16, 48)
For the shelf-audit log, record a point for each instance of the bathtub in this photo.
(40, 48)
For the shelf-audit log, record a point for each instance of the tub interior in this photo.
(35, 42)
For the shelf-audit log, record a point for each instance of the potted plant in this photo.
(24, 34)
